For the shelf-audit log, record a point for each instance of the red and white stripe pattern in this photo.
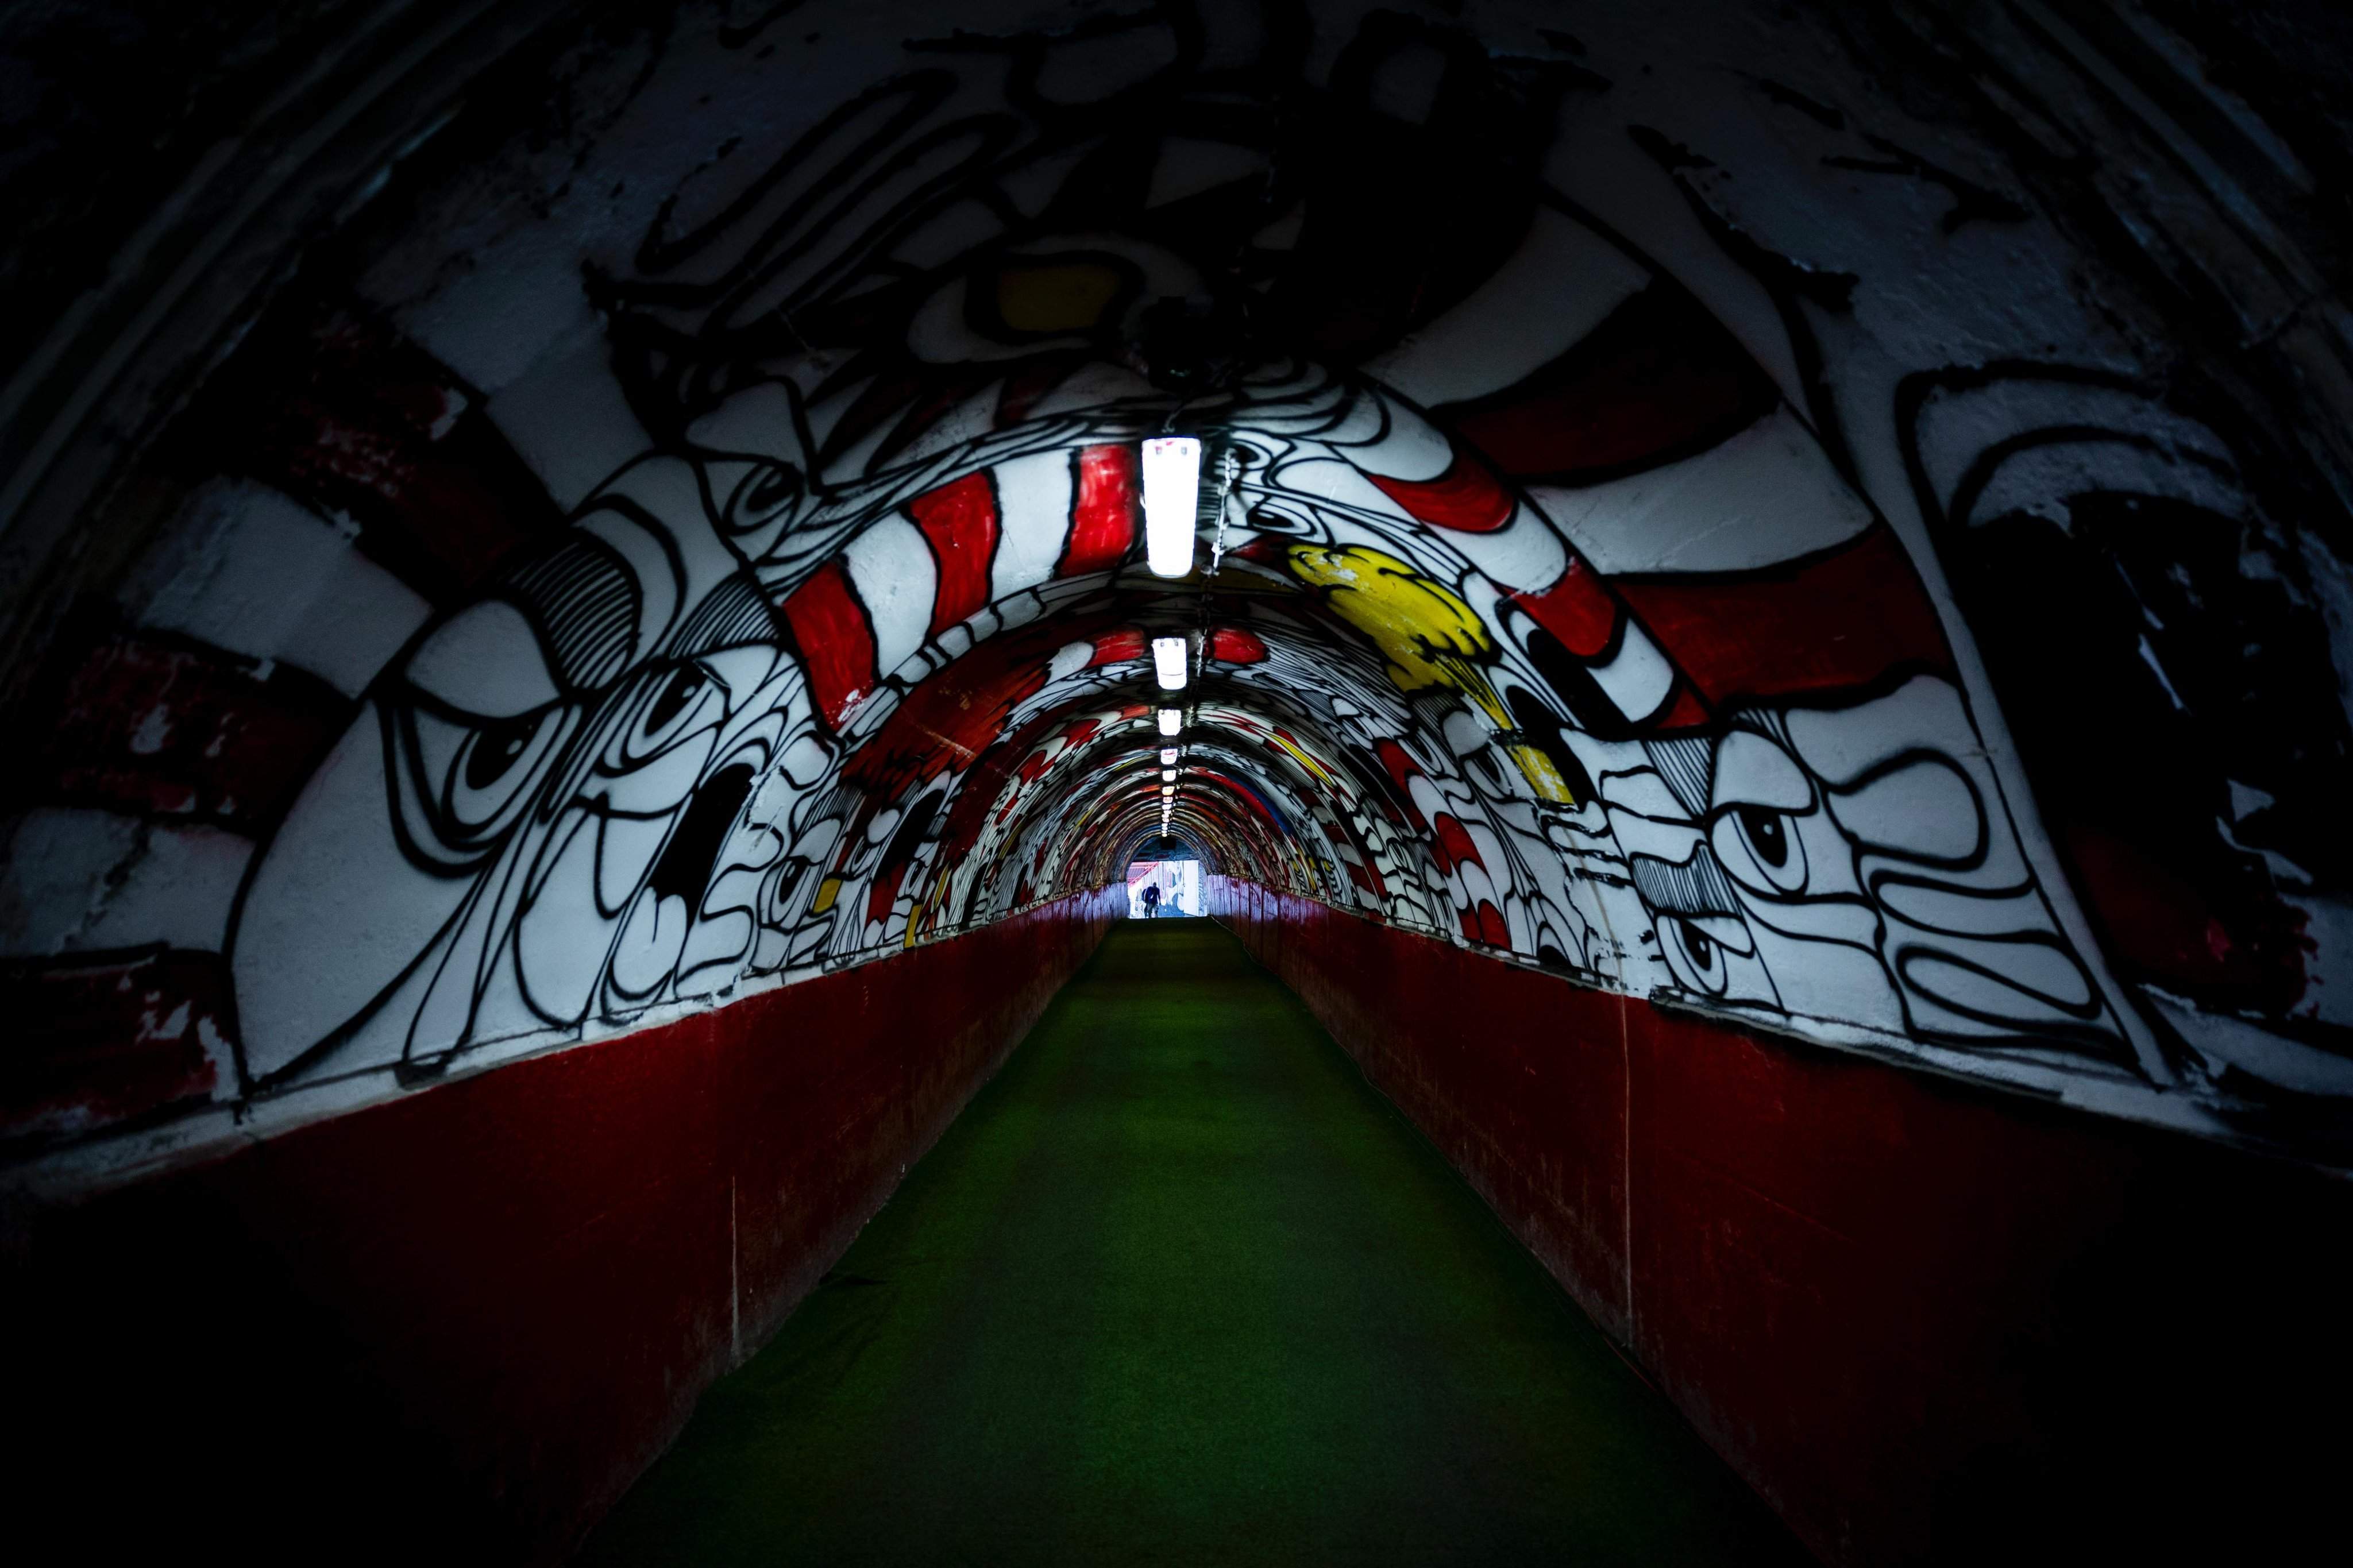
(952, 552)
(1540, 573)
(179, 717)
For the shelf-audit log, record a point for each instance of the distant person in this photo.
(1151, 900)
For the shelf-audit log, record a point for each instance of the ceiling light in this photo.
(1168, 775)
(1167, 756)
(1170, 720)
(1172, 499)
(1169, 662)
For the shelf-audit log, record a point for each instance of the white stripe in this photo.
(1639, 678)
(1034, 499)
(1524, 555)
(893, 569)
(1561, 283)
(250, 570)
(78, 880)
(1766, 495)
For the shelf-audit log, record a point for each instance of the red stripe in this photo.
(1579, 610)
(1103, 522)
(1465, 498)
(1685, 712)
(335, 408)
(1456, 843)
(1232, 645)
(1402, 773)
(1118, 648)
(160, 727)
(836, 644)
(102, 1036)
(1023, 388)
(960, 521)
(1836, 621)
(1661, 378)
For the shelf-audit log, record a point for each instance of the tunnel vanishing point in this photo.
(1761, 635)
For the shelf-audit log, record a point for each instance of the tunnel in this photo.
(1721, 628)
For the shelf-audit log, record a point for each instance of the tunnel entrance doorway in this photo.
(1163, 888)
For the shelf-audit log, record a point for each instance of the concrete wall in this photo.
(1927, 1322)
(454, 1326)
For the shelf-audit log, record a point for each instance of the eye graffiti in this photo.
(899, 544)
(1538, 607)
(567, 764)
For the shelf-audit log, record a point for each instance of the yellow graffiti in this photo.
(827, 891)
(1055, 297)
(1542, 776)
(1431, 638)
(1313, 767)
(923, 919)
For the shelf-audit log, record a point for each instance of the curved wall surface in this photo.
(461, 1322)
(533, 527)
(1927, 1322)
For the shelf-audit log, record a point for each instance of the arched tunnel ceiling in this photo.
(1716, 536)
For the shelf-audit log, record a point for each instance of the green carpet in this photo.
(1179, 1287)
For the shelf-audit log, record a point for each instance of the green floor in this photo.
(1180, 1288)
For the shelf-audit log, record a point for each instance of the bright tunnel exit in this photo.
(1158, 888)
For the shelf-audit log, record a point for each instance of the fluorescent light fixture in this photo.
(1172, 499)
(1169, 662)
(1171, 720)
(1167, 756)
(1167, 789)
(1168, 775)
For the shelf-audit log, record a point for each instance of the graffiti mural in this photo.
(1552, 599)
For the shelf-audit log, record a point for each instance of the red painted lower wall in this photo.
(460, 1323)
(1927, 1322)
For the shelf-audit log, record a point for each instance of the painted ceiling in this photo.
(672, 551)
